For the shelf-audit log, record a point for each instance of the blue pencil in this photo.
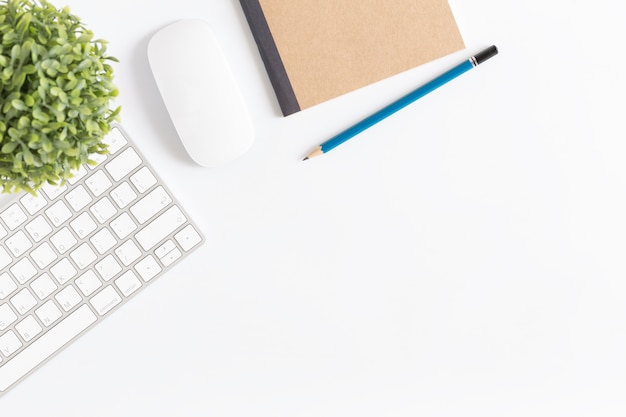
(403, 102)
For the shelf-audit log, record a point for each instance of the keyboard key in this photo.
(23, 301)
(9, 343)
(48, 313)
(68, 298)
(63, 240)
(150, 205)
(23, 270)
(44, 255)
(103, 210)
(7, 316)
(7, 286)
(108, 267)
(123, 195)
(45, 346)
(128, 283)
(165, 248)
(18, 243)
(171, 256)
(78, 175)
(43, 286)
(105, 300)
(78, 198)
(123, 164)
(3, 232)
(147, 268)
(188, 238)
(143, 180)
(88, 283)
(83, 225)
(160, 228)
(128, 252)
(103, 241)
(98, 183)
(63, 271)
(83, 256)
(13, 216)
(53, 191)
(115, 140)
(123, 226)
(32, 203)
(168, 252)
(58, 213)
(38, 228)
(98, 159)
(28, 328)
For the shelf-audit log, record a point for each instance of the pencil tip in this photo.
(316, 152)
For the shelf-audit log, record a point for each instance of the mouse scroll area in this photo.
(200, 93)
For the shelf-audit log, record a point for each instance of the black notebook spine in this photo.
(271, 57)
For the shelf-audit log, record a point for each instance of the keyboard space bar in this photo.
(45, 346)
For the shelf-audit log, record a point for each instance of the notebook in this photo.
(316, 50)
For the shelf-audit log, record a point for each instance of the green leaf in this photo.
(62, 145)
(85, 63)
(23, 123)
(9, 147)
(47, 146)
(7, 73)
(23, 23)
(71, 84)
(26, 47)
(40, 115)
(71, 152)
(15, 53)
(29, 69)
(19, 78)
(19, 104)
(29, 100)
(28, 158)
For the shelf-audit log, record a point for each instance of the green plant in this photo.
(55, 93)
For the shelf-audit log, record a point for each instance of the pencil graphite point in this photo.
(316, 152)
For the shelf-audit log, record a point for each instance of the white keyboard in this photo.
(73, 254)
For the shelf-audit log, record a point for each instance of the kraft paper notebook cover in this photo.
(315, 50)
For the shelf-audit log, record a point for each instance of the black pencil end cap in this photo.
(486, 54)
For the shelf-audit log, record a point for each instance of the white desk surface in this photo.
(466, 257)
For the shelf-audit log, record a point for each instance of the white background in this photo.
(463, 258)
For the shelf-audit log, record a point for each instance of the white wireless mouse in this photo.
(200, 92)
